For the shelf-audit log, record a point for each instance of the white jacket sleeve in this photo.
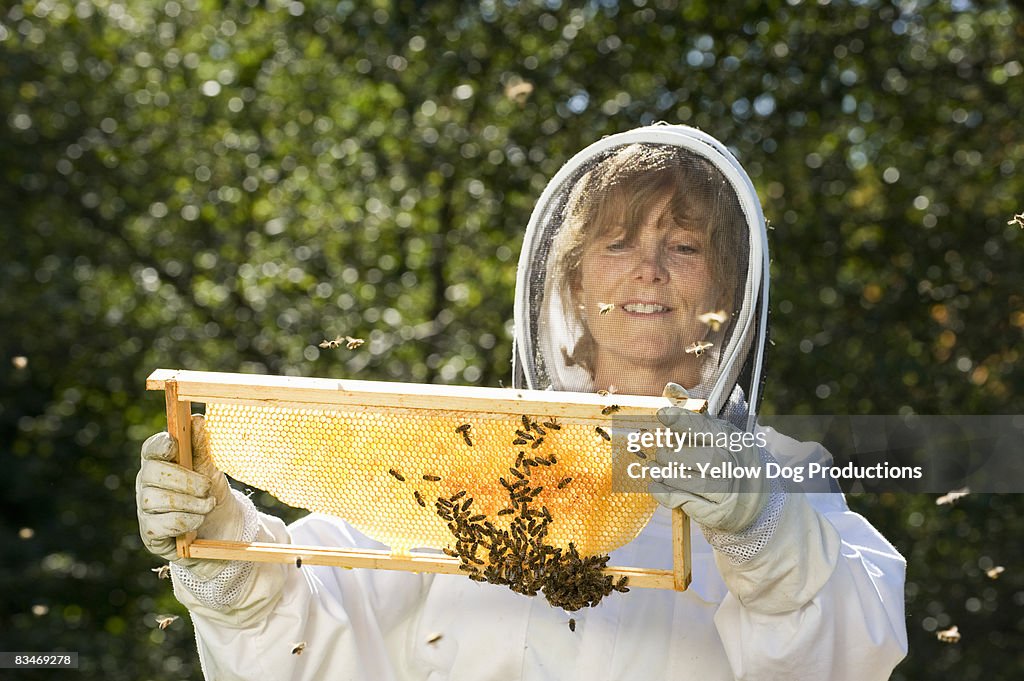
(336, 613)
(823, 599)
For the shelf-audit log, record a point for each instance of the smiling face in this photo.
(656, 272)
(653, 238)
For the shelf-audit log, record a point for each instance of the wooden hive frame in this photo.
(182, 388)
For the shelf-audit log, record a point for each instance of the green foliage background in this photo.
(221, 185)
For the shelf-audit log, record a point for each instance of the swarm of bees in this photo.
(713, 319)
(698, 348)
(350, 343)
(520, 557)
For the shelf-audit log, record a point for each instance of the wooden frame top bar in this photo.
(206, 386)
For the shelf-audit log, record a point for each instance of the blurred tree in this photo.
(220, 186)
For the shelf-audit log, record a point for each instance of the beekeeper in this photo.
(644, 264)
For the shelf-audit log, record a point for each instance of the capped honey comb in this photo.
(366, 465)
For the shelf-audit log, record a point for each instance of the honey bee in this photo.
(713, 319)
(162, 572)
(353, 343)
(603, 433)
(419, 499)
(398, 476)
(519, 441)
(952, 496)
(434, 638)
(297, 648)
(1017, 220)
(458, 496)
(464, 431)
(331, 343)
(564, 482)
(527, 423)
(605, 308)
(537, 443)
(298, 561)
(611, 409)
(572, 624)
(432, 478)
(698, 348)
(675, 392)
(524, 435)
(602, 393)
(553, 424)
(164, 622)
(951, 635)
(993, 573)
(450, 552)
(538, 429)
(506, 511)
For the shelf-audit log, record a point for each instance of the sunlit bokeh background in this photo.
(222, 185)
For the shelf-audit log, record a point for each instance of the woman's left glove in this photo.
(721, 481)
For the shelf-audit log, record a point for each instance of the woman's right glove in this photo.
(172, 500)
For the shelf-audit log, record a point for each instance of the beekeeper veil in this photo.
(645, 258)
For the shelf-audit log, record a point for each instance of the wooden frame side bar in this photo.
(179, 427)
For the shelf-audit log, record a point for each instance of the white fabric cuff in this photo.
(796, 561)
(739, 547)
(218, 584)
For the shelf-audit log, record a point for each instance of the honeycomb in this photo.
(368, 466)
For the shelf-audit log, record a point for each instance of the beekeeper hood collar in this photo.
(648, 248)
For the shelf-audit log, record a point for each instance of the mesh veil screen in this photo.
(639, 263)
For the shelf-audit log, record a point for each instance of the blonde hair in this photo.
(619, 191)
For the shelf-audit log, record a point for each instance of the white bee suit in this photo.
(813, 591)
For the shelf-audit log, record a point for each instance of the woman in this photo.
(644, 264)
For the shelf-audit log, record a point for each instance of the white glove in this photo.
(721, 503)
(172, 500)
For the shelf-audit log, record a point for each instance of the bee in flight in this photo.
(698, 348)
(297, 648)
(713, 319)
(350, 342)
(605, 308)
(162, 572)
(164, 622)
